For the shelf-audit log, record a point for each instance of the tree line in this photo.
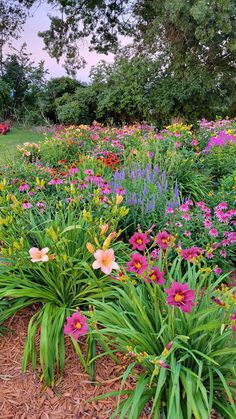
(180, 61)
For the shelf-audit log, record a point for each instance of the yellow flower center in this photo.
(78, 325)
(138, 265)
(179, 298)
(153, 277)
(139, 241)
(107, 260)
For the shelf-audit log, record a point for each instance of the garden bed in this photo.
(24, 396)
(120, 242)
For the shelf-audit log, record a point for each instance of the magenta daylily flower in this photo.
(164, 239)
(156, 276)
(191, 254)
(76, 325)
(137, 264)
(138, 241)
(179, 295)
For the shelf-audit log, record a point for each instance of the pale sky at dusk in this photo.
(35, 45)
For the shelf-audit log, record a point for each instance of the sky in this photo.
(35, 45)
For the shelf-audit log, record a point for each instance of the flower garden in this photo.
(123, 242)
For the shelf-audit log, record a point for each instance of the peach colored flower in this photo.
(38, 255)
(105, 260)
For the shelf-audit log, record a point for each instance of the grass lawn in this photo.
(17, 136)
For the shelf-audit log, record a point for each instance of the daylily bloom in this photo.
(164, 239)
(105, 260)
(191, 254)
(138, 263)
(156, 276)
(138, 241)
(76, 325)
(38, 255)
(181, 296)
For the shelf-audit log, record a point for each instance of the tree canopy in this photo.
(193, 32)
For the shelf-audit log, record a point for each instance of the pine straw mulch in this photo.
(23, 396)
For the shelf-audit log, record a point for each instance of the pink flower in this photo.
(231, 236)
(207, 224)
(39, 255)
(187, 233)
(73, 170)
(120, 191)
(105, 260)
(82, 185)
(164, 239)
(186, 217)
(213, 232)
(106, 190)
(178, 224)
(191, 254)
(155, 254)
(89, 172)
(184, 207)
(76, 325)
(55, 181)
(217, 270)
(156, 276)
(221, 206)
(223, 253)
(138, 241)
(209, 255)
(41, 206)
(137, 264)
(24, 187)
(169, 210)
(26, 205)
(194, 143)
(222, 217)
(233, 320)
(163, 364)
(181, 296)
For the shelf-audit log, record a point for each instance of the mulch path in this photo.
(23, 396)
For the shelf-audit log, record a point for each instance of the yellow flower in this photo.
(90, 248)
(108, 240)
(119, 199)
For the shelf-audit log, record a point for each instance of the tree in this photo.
(24, 81)
(55, 89)
(13, 14)
(196, 32)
